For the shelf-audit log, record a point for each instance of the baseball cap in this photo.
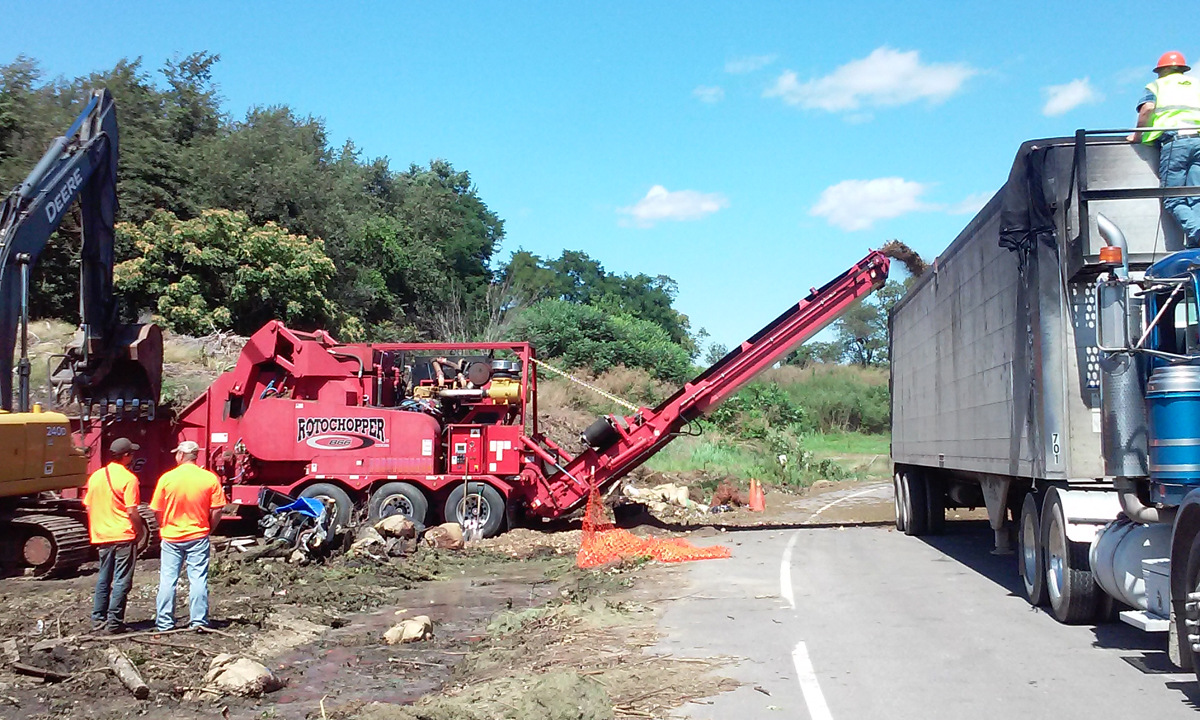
(187, 447)
(122, 446)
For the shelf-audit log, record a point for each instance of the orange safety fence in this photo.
(603, 542)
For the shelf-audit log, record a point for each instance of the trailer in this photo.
(1047, 367)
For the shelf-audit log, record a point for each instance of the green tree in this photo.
(816, 352)
(221, 272)
(152, 173)
(585, 336)
(576, 277)
(413, 249)
(192, 106)
(444, 210)
(715, 352)
(863, 330)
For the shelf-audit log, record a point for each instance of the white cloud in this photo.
(1133, 76)
(662, 204)
(969, 205)
(857, 204)
(1061, 99)
(885, 77)
(748, 64)
(709, 94)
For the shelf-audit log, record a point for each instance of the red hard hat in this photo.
(1172, 59)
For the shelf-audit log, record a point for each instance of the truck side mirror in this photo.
(1112, 316)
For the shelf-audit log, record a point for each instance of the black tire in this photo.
(398, 497)
(1031, 553)
(330, 493)
(935, 501)
(898, 497)
(916, 494)
(467, 499)
(151, 541)
(1191, 608)
(1072, 592)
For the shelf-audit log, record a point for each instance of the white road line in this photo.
(785, 572)
(785, 563)
(818, 709)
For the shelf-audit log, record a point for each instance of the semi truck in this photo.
(1046, 367)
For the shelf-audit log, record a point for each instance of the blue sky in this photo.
(749, 150)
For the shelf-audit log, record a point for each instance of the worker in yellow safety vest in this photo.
(1171, 107)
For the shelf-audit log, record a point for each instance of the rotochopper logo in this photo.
(341, 433)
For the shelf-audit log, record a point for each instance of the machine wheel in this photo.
(916, 503)
(398, 497)
(1073, 594)
(476, 502)
(1031, 554)
(334, 495)
(898, 501)
(150, 544)
(1190, 641)
(935, 501)
(51, 544)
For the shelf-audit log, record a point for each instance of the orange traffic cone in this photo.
(758, 501)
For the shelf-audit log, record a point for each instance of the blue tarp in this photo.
(311, 507)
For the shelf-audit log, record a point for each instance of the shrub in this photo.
(754, 410)
(220, 272)
(584, 336)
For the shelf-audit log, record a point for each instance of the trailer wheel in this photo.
(398, 497)
(476, 502)
(1190, 642)
(1073, 594)
(1031, 556)
(898, 501)
(916, 504)
(935, 501)
(334, 495)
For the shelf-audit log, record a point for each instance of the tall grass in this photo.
(789, 427)
(835, 397)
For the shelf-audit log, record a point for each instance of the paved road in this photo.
(888, 626)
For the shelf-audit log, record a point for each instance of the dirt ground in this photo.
(511, 639)
(517, 628)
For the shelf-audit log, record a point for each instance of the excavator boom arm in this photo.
(81, 164)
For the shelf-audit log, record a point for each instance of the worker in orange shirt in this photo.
(111, 498)
(188, 501)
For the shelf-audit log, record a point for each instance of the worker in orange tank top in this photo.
(111, 498)
(188, 502)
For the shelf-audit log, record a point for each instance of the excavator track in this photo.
(50, 544)
(149, 545)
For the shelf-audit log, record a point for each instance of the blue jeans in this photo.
(174, 555)
(1178, 165)
(112, 585)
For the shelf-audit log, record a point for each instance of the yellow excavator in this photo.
(41, 526)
